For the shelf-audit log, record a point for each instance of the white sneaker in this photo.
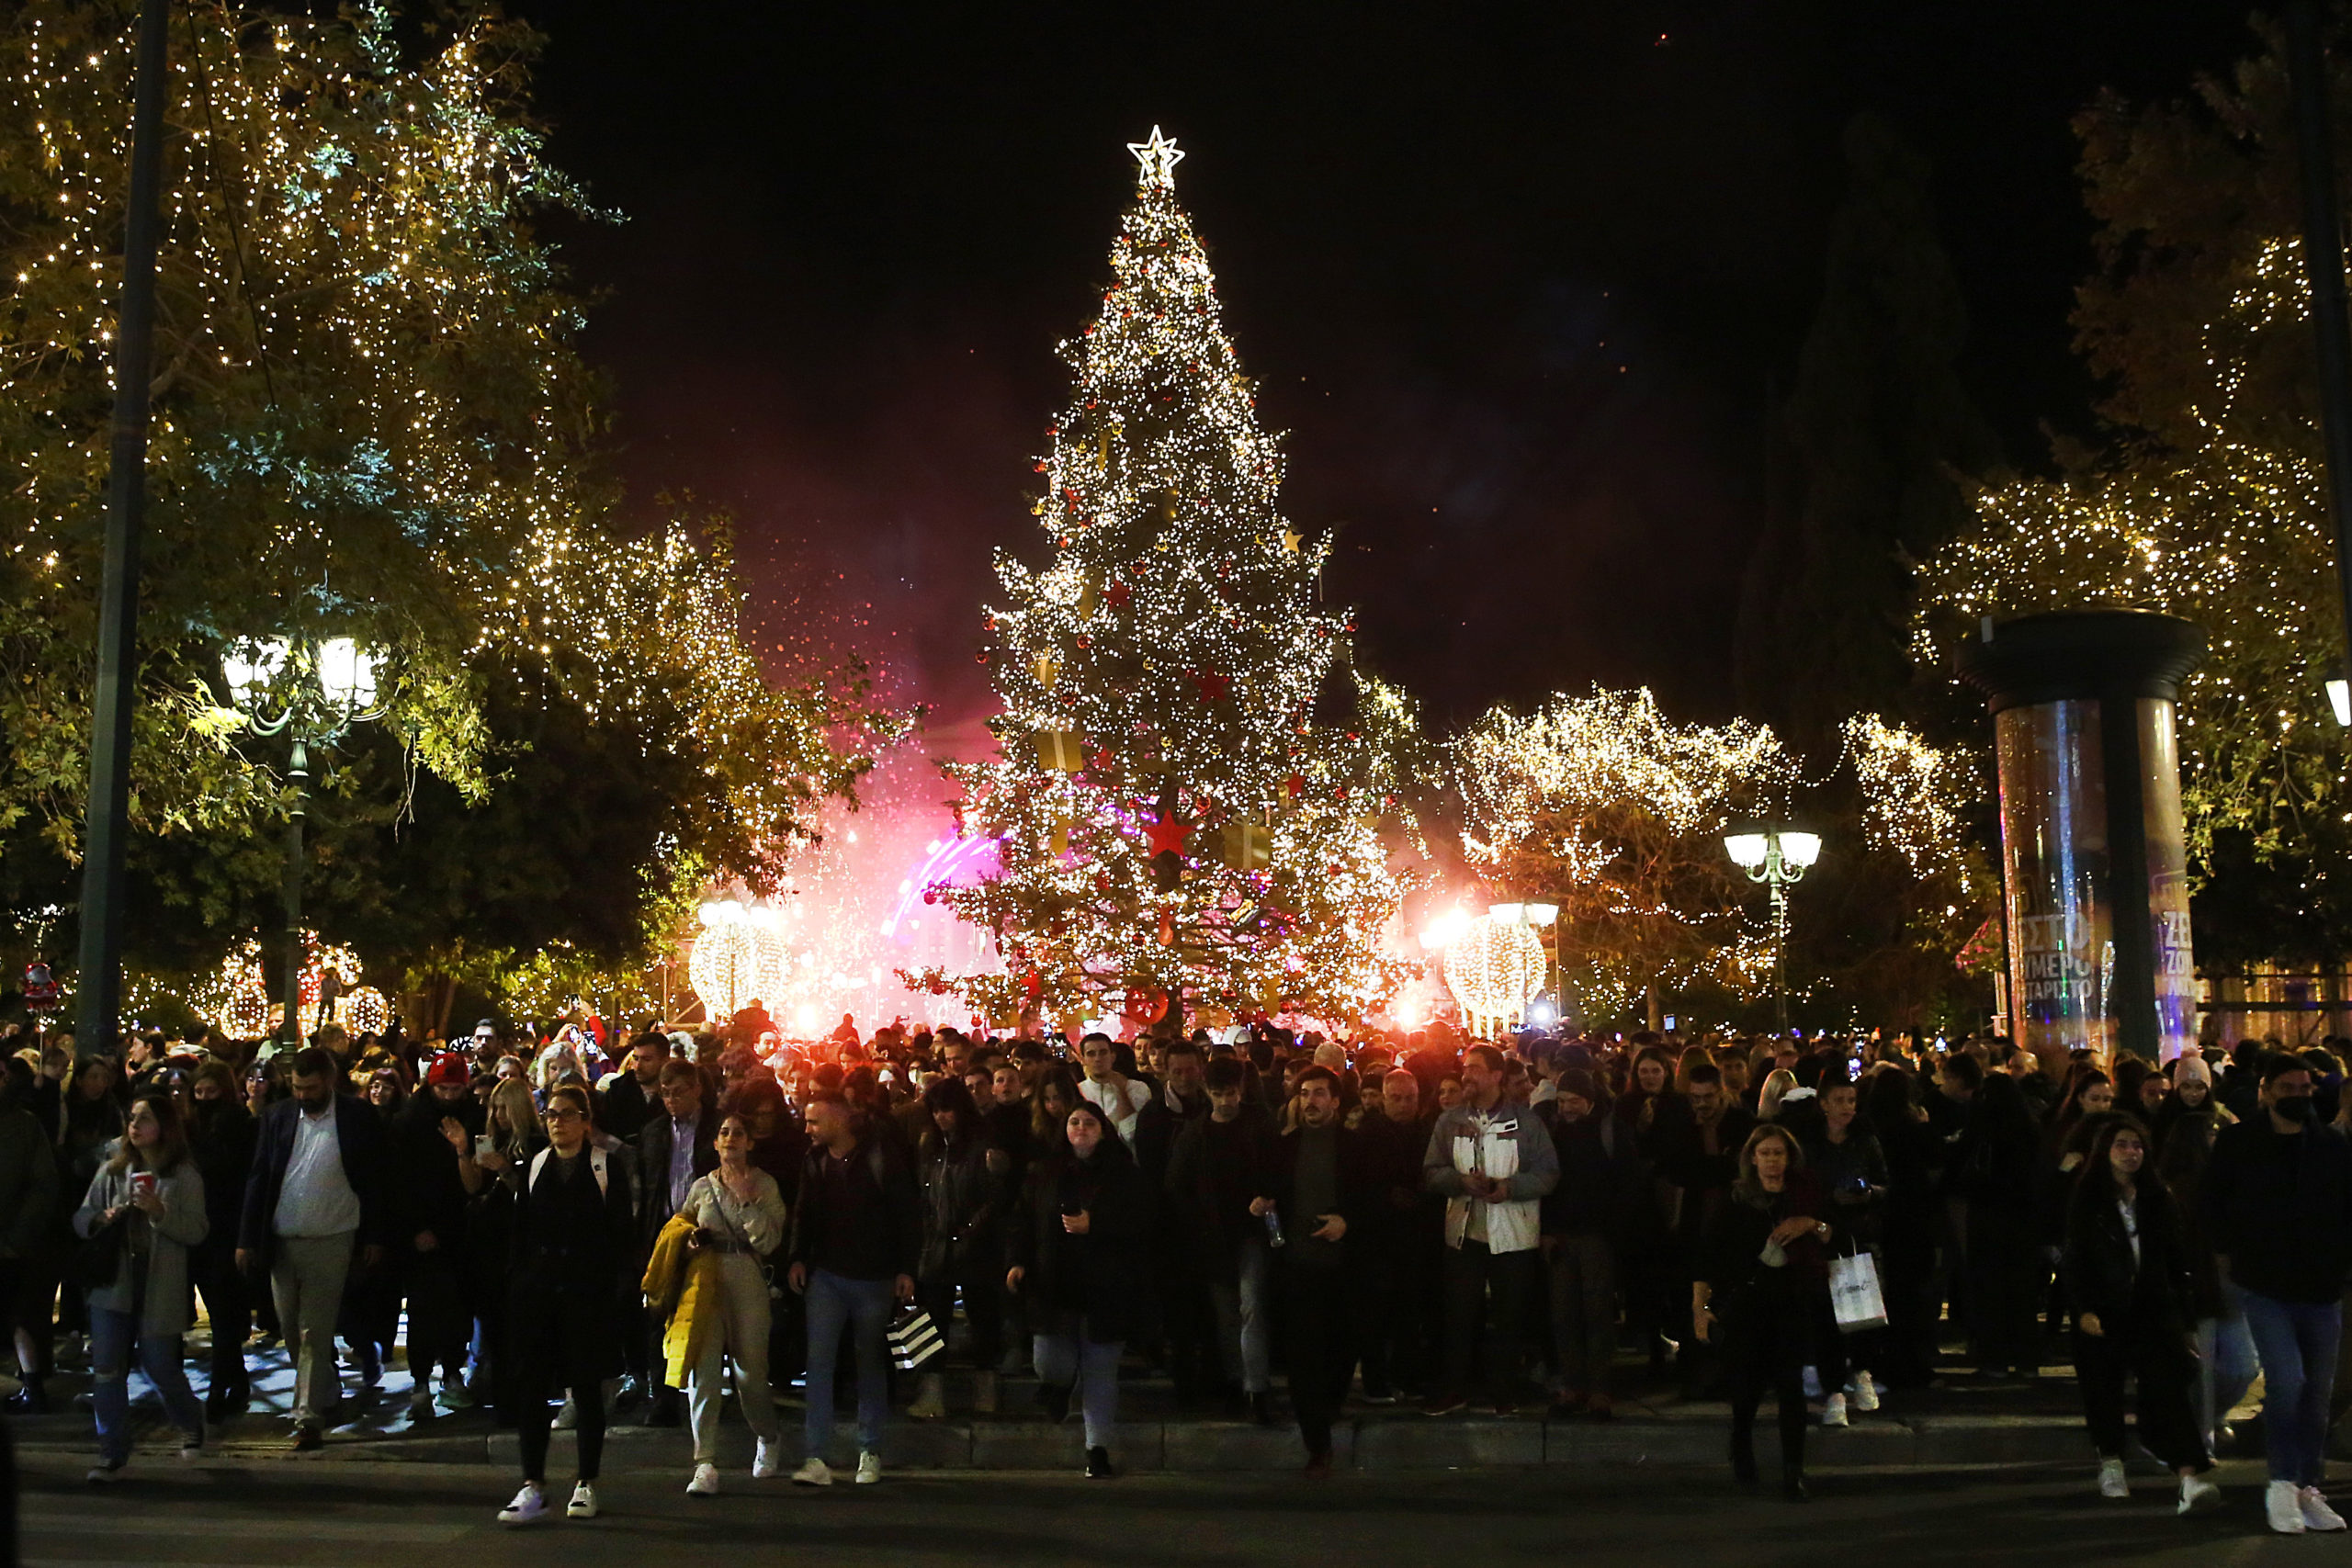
(530, 1506)
(102, 1474)
(705, 1482)
(1813, 1382)
(2284, 1503)
(2317, 1515)
(1863, 1395)
(870, 1471)
(566, 1418)
(2111, 1482)
(583, 1502)
(764, 1461)
(813, 1473)
(2197, 1493)
(1833, 1411)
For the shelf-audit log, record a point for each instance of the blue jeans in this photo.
(112, 1335)
(2225, 1369)
(2297, 1342)
(1072, 1358)
(864, 1308)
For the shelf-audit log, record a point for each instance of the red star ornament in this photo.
(1213, 686)
(1168, 835)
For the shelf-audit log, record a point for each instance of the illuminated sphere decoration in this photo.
(739, 956)
(1493, 969)
(237, 999)
(364, 1011)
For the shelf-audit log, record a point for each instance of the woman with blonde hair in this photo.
(1777, 1084)
(147, 1202)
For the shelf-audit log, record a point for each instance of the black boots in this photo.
(1098, 1464)
(1743, 1454)
(1793, 1485)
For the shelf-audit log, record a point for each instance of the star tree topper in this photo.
(1159, 157)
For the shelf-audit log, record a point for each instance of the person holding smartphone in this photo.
(148, 1185)
(1077, 1258)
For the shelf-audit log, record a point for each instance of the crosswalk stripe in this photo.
(162, 1523)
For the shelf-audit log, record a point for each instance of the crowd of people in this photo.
(566, 1232)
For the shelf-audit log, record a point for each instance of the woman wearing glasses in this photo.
(572, 1229)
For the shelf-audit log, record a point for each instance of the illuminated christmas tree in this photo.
(1194, 779)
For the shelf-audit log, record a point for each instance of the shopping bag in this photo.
(914, 1339)
(1854, 1294)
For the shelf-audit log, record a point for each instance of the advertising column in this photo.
(2094, 863)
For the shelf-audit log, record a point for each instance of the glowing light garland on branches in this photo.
(2228, 532)
(1160, 677)
(369, 414)
(1604, 806)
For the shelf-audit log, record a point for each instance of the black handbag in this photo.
(94, 1265)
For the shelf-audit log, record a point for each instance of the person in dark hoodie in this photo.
(1601, 1203)
(2277, 1201)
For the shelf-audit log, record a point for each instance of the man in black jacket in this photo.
(1219, 1183)
(1320, 1186)
(317, 1190)
(1400, 1245)
(29, 1204)
(631, 1097)
(856, 1241)
(428, 1242)
(2277, 1197)
(1586, 1218)
(677, 1145)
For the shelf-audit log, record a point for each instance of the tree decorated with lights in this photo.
(2210, 500)
(371, 420)
(1604, 806)
(1194, 778)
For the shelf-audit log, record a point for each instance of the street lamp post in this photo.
(1777, 858)
(312, 693)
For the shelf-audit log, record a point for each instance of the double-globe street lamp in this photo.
(312, 693)
(1776, 857)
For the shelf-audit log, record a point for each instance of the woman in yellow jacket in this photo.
(738, 1216)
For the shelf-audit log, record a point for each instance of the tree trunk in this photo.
(1656, 1009)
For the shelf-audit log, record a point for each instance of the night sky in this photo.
(1517, 281)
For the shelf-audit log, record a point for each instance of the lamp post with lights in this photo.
(1777, 858)
(312, 693)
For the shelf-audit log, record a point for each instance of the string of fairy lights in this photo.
(1605, 804)
(2228, 530)
(1176, 815)
(369, 410)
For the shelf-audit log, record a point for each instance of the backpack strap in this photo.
(598, 1162)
